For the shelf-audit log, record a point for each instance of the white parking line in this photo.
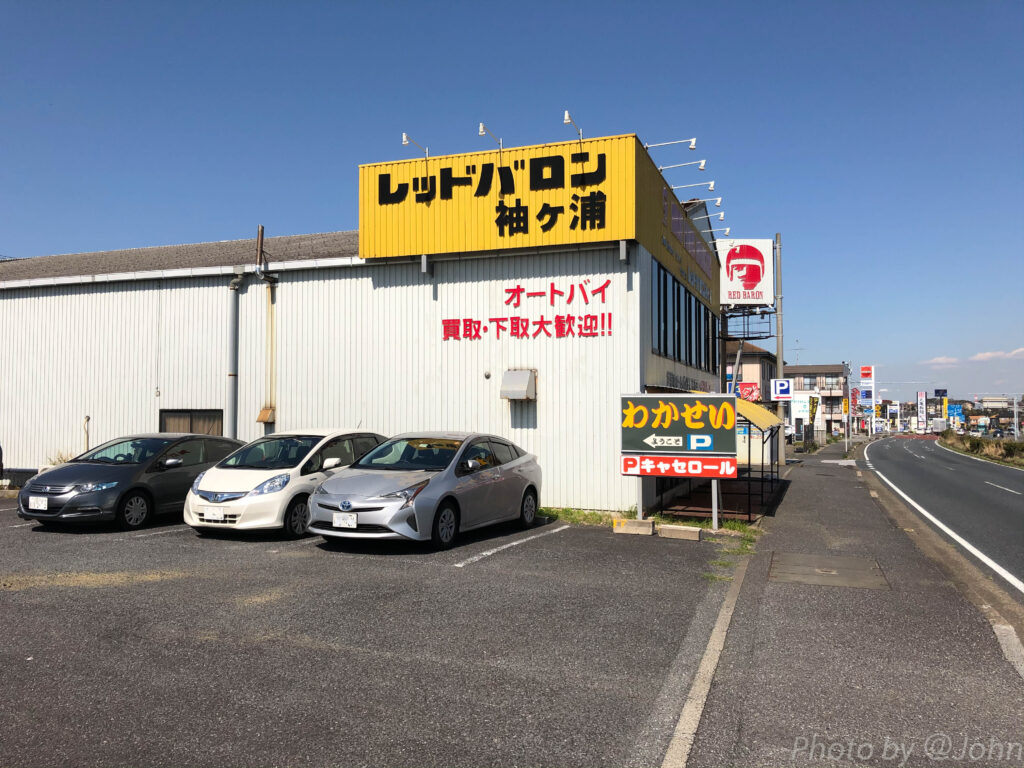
(19, 525)
(302, 543)
(1003, 489)
(490, 552)
(161, 533)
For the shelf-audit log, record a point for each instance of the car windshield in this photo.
(131, 450)
(410, 453)
(273, 452)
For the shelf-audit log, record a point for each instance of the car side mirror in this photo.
(170, 463)
(469, 466)
(331, 463)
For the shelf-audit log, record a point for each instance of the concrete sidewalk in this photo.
(886, 666)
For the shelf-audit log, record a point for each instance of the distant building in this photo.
(994, 402)
(757, 366)
(831, 383)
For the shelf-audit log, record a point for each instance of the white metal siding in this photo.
(104, 351)
(356, 346)
(364, 346)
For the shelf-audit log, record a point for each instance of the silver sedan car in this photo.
(428, 487)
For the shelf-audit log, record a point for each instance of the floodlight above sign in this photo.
(748, 272)
(679, 425)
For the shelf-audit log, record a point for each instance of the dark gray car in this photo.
(129, 479)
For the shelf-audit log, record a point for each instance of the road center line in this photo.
(490, 552)
(1012, 580)
(1018, 493)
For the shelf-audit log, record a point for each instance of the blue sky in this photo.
(885, 141)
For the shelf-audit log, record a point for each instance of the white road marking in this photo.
(161, 533)
(490, 552)
(1003, 489)
(1012, 580)
(975, 458)
(20, 525)
(678, 751)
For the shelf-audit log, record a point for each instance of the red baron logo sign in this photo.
(748, 272)
(867, 371)
(670, 466)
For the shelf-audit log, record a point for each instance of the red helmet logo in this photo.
(745, 263)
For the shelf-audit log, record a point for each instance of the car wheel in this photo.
(296, 518)
(133, 511)
(528, 510)
(446, 526)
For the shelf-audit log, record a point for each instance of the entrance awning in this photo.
(757, 415)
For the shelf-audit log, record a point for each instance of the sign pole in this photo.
(714, 504)
(779, 362)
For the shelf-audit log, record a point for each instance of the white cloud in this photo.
(941, 362)
(1017, 354)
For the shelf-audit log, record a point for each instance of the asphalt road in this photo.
(981, 501)
(574, 647)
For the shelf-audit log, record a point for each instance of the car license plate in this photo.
(212, 513)
(37, 502)
(344, 519)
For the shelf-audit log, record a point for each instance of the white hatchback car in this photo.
(267, 483)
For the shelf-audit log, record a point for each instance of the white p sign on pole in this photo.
(782, 389)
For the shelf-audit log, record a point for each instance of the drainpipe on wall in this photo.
(231, 415)
(268, 413)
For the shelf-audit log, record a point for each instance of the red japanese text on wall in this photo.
(587, 322)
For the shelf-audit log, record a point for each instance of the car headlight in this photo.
(195, 483)
(272, 485)
(90, 487)
(409, 494)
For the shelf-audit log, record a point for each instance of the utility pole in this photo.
(779, 407)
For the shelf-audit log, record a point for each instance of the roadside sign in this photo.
(867, 371)
(782, 389)
(679, 425)
(749, 390)
(846, 406)
(813, 405)
(679, 466)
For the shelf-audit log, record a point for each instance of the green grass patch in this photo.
(715, 577)
(578, 516)
(701, 522)
(723, 563)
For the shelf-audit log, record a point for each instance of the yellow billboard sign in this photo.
(567, 193)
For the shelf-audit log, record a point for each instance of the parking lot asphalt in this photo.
(573, 647)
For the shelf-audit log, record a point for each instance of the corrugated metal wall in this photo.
(357, 346)
(104, 351)
(365, 347)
